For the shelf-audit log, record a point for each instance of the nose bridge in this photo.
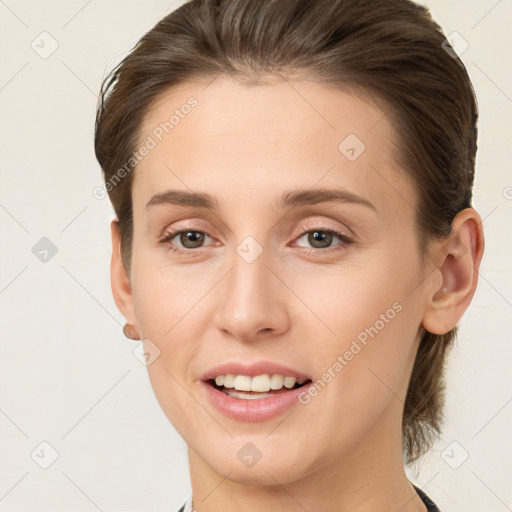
(248, 302)
(250, 272)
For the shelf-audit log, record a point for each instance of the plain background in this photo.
(68, 377)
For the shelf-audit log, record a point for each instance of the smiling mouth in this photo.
(231, 388)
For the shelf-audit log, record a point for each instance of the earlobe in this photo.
(120, 281)
(460, 259)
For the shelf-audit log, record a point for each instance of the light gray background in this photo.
(67, 374)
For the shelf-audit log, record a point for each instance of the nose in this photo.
(252, 301)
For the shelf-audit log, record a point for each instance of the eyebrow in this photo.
(287, 199)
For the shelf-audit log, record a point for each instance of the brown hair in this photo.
(391, 49)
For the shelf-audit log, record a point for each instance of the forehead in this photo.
(223, 136)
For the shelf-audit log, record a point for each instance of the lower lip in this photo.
(260, 409)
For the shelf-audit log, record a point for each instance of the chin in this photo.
(249, 466)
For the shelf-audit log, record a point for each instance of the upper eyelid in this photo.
(302, 230)
(307, 229)
(318, 224)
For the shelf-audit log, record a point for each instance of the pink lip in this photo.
(253, 410)
(252, 369)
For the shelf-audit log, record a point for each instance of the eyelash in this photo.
(345, 240)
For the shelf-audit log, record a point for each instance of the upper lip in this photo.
(252, 369)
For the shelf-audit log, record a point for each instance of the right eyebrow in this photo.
(184, 198)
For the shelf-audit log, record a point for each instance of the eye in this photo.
(321, 239)
(189, 236)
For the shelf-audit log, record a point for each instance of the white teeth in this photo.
(229, 381)
(260, 383)
(276, 382)
(289, 382)
(245, 396)
(243, 383)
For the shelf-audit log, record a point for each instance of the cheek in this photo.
(167, 295)
(360, 301)
(168, 306)
(362, 364)
(361, 381)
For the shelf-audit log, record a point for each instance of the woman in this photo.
(294, 242)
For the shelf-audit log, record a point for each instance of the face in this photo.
(303, 263)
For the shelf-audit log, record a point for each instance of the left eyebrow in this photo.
(321, 195)
(287, 199)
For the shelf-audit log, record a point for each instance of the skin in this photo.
(246, 146)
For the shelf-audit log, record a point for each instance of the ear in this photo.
(120, 281)
(460, 256)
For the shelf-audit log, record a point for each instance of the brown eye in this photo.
(187, 241)
(320, 239)
(195, 238)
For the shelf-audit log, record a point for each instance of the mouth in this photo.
(256, 387)
(254, 391)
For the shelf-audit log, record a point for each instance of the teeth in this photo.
(245, 396)
(289, 382)
(276, 382)
(243, 383)
(229, 381)
(260, 383)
